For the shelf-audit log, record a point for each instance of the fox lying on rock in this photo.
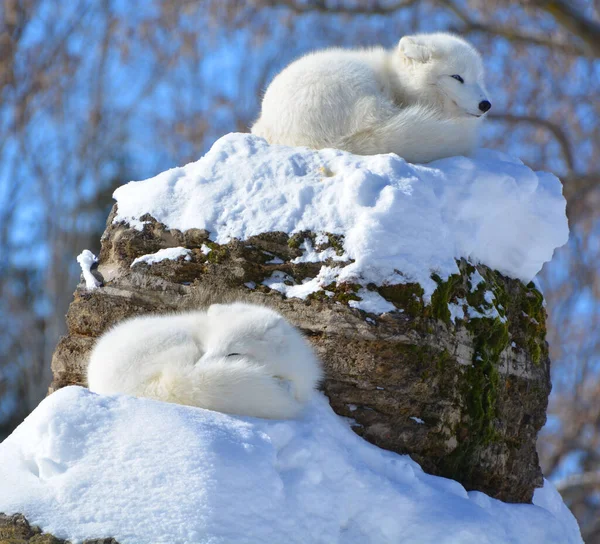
(236, 358)
(424, 100)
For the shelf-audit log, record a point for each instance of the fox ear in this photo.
(412, 49)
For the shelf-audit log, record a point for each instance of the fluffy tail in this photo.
(416, 133)
(226, 385)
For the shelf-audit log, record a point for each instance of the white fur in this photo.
(373, 101)
(235, 358)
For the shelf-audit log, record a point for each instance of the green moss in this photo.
(501, 297)
(481, 391)
(342, 292)
(444, 293)
(535, 350)
(443, 359)
(491, 338)
(407, 297)
(296, 240)
(218, 253)
(336, 241)
(476, 297)
(532, 323)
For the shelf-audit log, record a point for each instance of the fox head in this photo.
(259, 336)
(444, 70)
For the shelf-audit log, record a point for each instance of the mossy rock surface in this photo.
(460, 382)
(16, 529)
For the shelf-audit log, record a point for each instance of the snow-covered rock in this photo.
(141, 471)
(426, 350)
(362, 254)
(399, 221)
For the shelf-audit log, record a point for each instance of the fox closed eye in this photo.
(233, 354)
(458, 78)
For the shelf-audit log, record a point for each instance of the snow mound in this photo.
(83, 465)
(400, 221)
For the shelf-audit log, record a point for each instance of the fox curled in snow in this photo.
(235, 358)
(423, 100)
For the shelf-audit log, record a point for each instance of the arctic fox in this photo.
(423, 100)
(235, 358)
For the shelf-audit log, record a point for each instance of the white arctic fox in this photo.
(424, 100)
(235, 358)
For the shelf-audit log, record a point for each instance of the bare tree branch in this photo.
(568, 16)
(511, 34)
(586, 479)
(577, 187)
(360, 9)
(469, 25)
(558, 132)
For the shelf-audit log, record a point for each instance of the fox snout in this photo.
(485, 105)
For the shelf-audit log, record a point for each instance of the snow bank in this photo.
(401, 221)
(83, 465)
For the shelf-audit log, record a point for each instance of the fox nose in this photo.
(484, 106)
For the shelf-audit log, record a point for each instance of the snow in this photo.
(311, 255)
(400, 221)
(457, 310)
(372, 302)
(487, 312)
(170, 253)
(84, 465)
(284, 283)
(475, 279)
(86, 260)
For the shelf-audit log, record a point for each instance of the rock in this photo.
(460, 384)
(16, 529)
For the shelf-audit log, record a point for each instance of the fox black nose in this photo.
(484, 106)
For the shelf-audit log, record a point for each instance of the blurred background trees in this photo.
(94, 93)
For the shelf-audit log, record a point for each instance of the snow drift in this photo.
(83, 465)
